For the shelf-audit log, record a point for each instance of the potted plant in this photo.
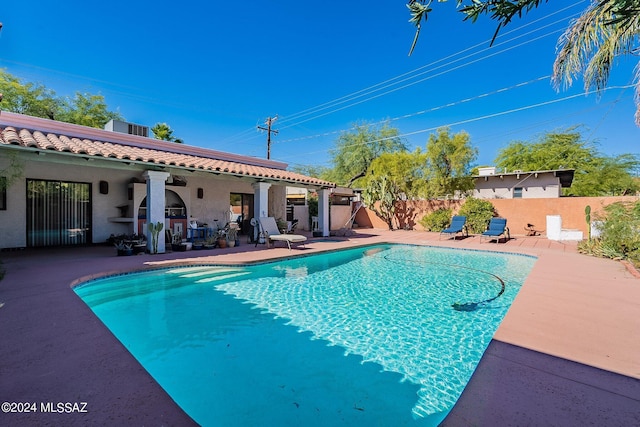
(221, 238)
(210, 243)
(232, 234)
(198, 244)
(123, 248)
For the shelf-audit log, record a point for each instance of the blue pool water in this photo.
(382, 335)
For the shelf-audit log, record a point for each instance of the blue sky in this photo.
(215, 70)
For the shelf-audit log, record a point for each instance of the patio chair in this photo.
(458, 225)
(272, 233)
(497, 227)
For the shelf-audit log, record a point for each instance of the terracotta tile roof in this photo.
(41, 134)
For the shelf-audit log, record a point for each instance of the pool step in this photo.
(209, 271)
(223, 277)
(202, 270)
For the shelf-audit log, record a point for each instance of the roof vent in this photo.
(129, 128)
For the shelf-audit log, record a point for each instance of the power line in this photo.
(490, 116)
(440, 107)
(404, 77)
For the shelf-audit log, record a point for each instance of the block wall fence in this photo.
(518, 212)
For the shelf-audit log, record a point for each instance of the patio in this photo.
(565, 354)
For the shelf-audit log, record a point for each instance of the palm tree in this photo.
(164, 132)
(606, 30)
(590, 45)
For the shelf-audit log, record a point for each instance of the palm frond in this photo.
(636, 81)
(419, 10)
(593, 41)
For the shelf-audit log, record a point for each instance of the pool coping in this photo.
(55, 350)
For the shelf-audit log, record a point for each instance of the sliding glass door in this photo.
(58, 213)
(241, 206)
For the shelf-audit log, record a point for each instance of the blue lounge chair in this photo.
(458, 225)
(497, 227)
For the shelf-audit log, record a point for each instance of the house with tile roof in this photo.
(79, 185)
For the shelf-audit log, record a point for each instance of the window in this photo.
(3, 193)
(517, 192)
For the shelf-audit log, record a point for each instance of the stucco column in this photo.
(323, 211)
(155, 205)
(261, 199)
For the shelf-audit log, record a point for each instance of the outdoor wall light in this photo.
(104, 187)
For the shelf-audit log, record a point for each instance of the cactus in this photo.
(155, 229)
(587, 217)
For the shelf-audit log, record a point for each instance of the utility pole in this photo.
(269, 122)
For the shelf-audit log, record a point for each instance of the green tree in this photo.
(355, 150)
(392, 177)
(606, 30)
(27, 98)
(13, 170)
(554, 150)
(608, 176)
(316, 171)
(449, 159)
(36, 100)
(596, 175)
(164, 132)
(87, 110)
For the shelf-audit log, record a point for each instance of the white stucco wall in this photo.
(278, 201)
(106, 216)
(13, 225)
(301, 213)
(545, 185)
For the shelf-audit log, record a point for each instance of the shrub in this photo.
(620, 233)
(436, 220)
(478, 213)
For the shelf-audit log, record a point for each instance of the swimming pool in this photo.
(381, 335)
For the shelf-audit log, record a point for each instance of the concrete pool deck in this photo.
(567, 353)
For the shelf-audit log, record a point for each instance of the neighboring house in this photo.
(79, 185)
(490, 184)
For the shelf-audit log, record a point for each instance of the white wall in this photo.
(301, 213)
(501, 186)
(52, 166)
(13, 225)
(278, 201)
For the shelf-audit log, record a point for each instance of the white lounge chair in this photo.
(271, 232)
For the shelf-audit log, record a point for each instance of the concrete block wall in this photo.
(518, 212)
